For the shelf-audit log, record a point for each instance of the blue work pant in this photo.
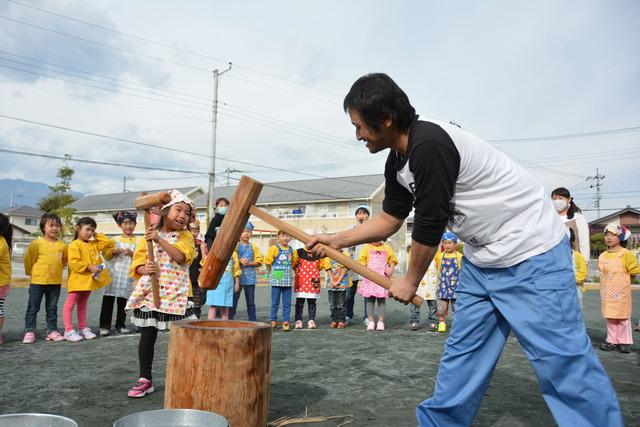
(537, 300)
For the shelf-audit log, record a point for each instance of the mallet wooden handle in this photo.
(155, 285)
(146, 202)
(334, 254)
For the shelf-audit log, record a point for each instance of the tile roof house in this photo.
(25, 220)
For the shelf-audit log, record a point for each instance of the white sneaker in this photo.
(124, 331)
(104, 332)
(87, 334)
(72, 336)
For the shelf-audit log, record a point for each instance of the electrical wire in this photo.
(242, 118)
(51, 64)
(178, 49)
(157, 58)
(145, 144)
(156, 168)
(565, 136)
(98, 162)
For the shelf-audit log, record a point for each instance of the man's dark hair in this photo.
(376, 98)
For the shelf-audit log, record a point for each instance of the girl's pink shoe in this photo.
(371, 326)
(311, 324)
(141, 389)
(29, 338)
(55, 336)
(380, 326)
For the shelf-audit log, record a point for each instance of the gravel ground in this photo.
(377, 377)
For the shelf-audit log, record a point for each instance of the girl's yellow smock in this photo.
(81, 256)
(44, 261)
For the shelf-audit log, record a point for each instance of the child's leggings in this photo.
(146, 347)
(381, 306)
(443, 308)
(311, 303)
(82, 299)
(1, 308)
(619, 331)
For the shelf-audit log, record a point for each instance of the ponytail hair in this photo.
(573, 208)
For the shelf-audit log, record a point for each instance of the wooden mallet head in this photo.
(234, 221)
(148, 201)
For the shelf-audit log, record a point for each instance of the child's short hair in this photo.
(221, 199)
(283, 232)
(49, 217)
(85, 220)
(362, 209)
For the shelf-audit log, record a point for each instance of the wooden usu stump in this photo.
(220, 366)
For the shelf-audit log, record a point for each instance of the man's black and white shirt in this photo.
(453, 178)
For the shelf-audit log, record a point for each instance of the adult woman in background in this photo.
(573, 218)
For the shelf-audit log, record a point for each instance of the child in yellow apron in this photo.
(616, 266)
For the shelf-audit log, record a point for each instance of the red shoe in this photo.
(342, 325)
(333, 325)
(141, 389)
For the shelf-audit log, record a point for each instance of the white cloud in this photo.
(499, 69)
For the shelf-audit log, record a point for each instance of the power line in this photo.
(540, 167)
(99, 162)
(178, 49)
(99, 135)
(565, 136)
(146, 144)
(102, 75)
(274, 127)
(157, 58)
(133, 52)
(245, 110)
(157, 168)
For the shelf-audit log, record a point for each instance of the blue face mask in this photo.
(222, 210)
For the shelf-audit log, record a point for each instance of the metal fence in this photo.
(19, 246)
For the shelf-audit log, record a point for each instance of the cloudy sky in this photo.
(142, 71)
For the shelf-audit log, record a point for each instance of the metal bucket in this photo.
(172, 418)
(35, 420)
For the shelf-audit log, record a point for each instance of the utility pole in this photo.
(230, 171)
(597, 179)
(214, 124)
(124, 182)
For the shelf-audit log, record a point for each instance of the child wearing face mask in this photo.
(573, 219)
(220, 210)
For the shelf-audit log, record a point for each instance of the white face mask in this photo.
(560, 204)
(222, 210)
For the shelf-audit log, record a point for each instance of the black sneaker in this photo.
(607, 346)
(624, 348)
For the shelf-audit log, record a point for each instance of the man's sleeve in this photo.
(397, 199)
(435, 166)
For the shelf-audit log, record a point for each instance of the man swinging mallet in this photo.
(517, 276)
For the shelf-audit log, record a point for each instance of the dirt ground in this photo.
(377, 377)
